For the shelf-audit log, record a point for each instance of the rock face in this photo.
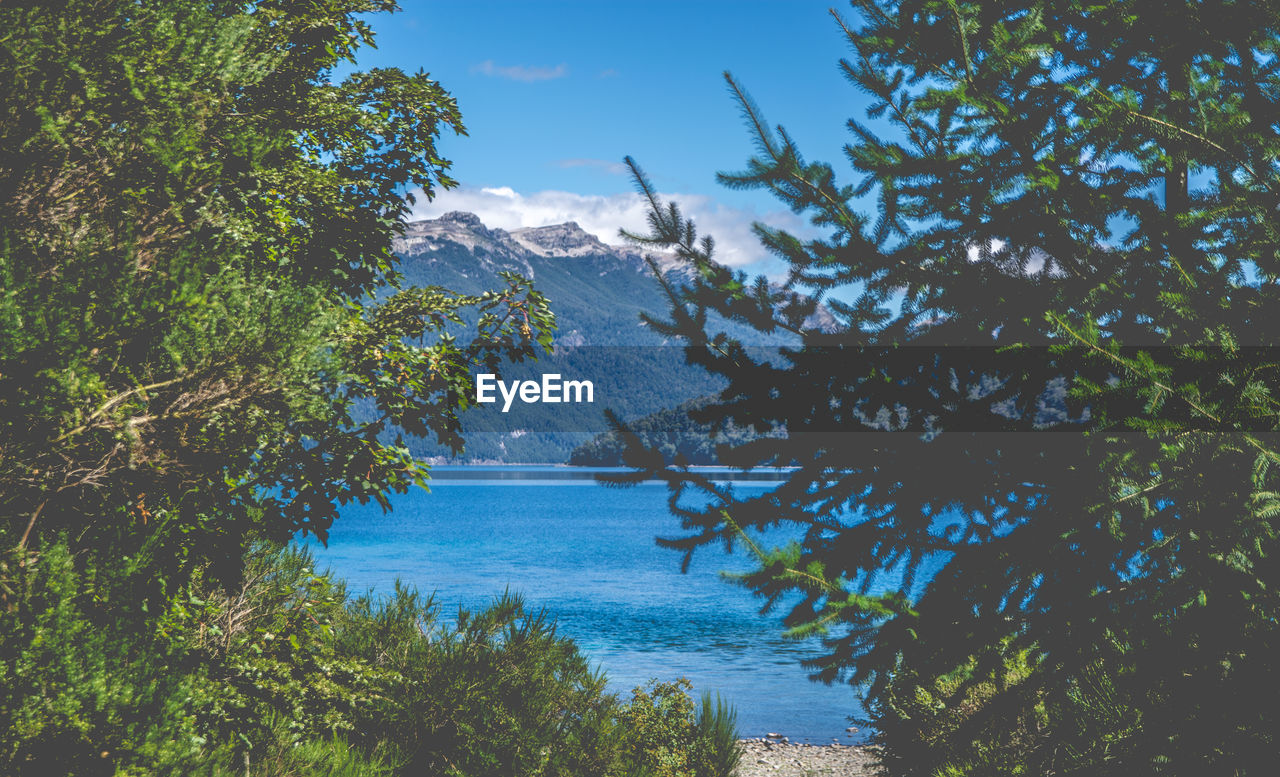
(566, 239)
(494, 247)
(574, 268)
(598, 291)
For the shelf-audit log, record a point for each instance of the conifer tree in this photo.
(1036, 462)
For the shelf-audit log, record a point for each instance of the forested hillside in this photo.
(598, 293)
(673, 433)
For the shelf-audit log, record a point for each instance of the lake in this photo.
(587, 554)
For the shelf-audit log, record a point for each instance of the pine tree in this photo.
(1036, 457)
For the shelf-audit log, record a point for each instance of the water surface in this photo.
(587, 554)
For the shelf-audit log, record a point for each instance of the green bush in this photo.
(498, 693)
(280, 673)
(666, 738)
(82, 690)
(717, 738)
(265, 650)
(283, 756)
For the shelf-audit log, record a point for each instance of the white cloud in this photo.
(604, 215)
(526, 73)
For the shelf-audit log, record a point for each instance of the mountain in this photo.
(597, 292)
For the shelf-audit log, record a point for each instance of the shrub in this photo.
(264, 650)
(280, 674)
(666, 739)
(968, 722)
(283, 756)
(82, 691)
(718, 751)
(499, 693)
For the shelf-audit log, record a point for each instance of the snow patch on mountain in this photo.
(495, 248)
(567, 247)
(567, 239)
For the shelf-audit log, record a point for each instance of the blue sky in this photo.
(555, 93)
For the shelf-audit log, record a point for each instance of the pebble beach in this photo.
(777, 757)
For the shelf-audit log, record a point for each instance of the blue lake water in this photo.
(587, 554)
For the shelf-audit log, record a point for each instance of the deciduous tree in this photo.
(197, 290)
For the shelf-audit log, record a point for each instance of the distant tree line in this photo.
(673, 433)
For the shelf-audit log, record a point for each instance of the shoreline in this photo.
(769, 757)
(440, 461)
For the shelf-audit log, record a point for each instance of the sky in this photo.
(554, 93)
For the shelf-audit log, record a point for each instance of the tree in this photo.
(1036, 462)
(197, 290)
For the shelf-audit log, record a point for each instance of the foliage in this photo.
(993, 721)
(965, 722)
(716, 746)
(266, 655)
(498, 693)
(313, 758)
(288, 676)
(667, 739)
(1044, 428)
(283, 755)
(80, 692)
(195, 213)
(659, 715)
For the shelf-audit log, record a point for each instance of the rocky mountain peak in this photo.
(568, 239)
(495, 248)
(462, 217)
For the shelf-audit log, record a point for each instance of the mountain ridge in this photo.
(598, 293)
(462, 240)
